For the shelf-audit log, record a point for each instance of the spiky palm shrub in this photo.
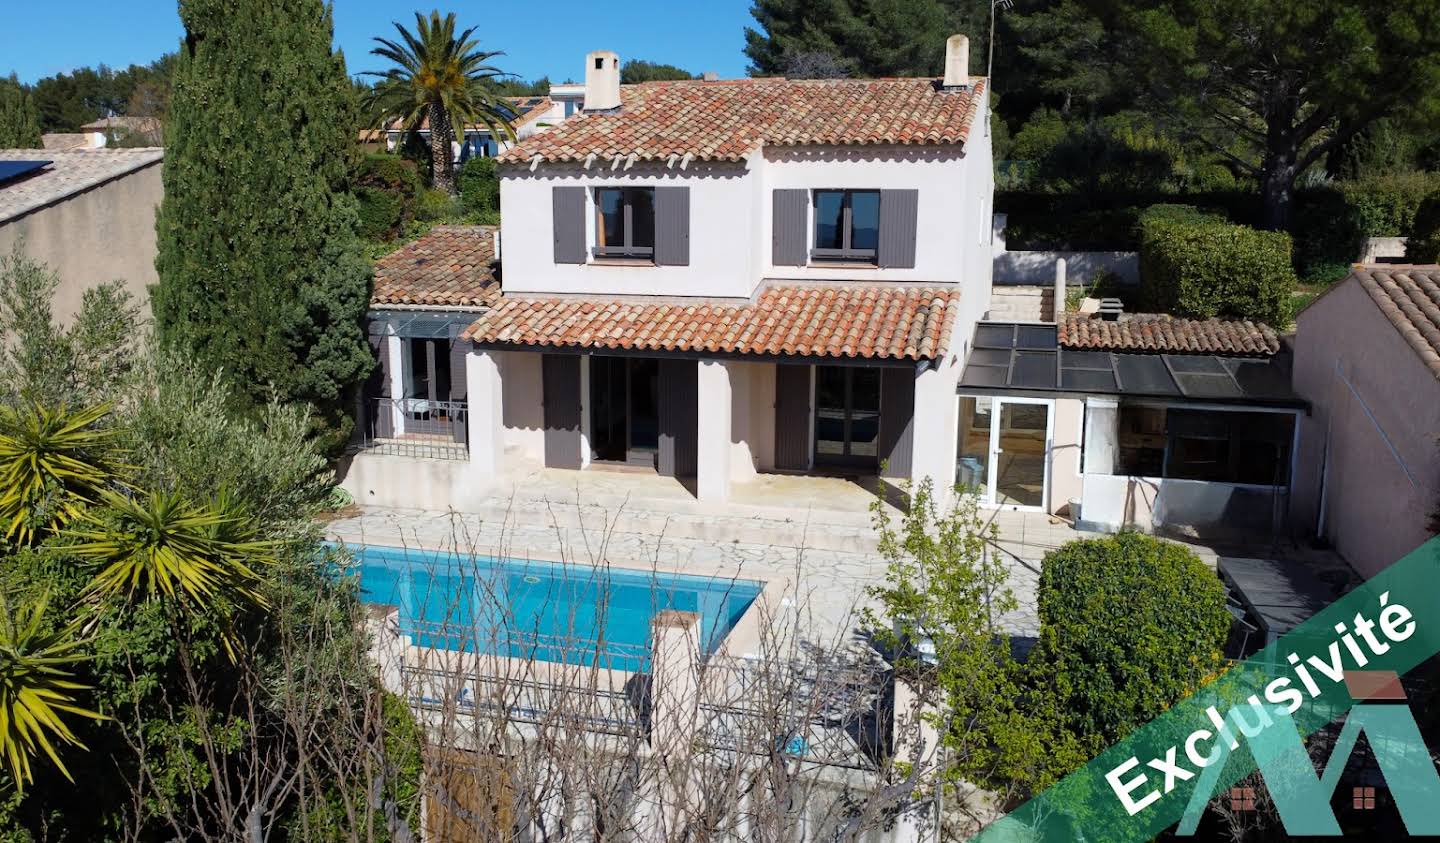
(441, 76)
(53, 461)
(161, 546)
(37, 688)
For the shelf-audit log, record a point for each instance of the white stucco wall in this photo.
(1068, 425)
(721, 208)
(713, 431)
(752, 419)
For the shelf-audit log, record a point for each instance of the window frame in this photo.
(846, 252)
(627, 250)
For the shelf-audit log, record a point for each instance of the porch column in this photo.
(935, 430)
(712, 431)
(487, 424)
(395, 356)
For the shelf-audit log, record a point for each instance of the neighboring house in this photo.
(61, 141)
(527, 115)
(710, 279)
(126, 129)
(1146, 421)
(1368, 361)
(89, 215)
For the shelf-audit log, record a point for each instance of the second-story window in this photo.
(625, 222)
(847, 225)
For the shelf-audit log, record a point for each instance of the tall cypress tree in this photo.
(19, 121)
(262, 275)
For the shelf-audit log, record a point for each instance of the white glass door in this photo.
(1004, 450)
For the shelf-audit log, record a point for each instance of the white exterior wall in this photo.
(721, 211)
(486, 402)
(752, 419)
(936, 426)
(713, 431)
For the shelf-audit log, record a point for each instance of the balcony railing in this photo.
(415, 427)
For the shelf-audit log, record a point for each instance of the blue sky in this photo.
(42, 37)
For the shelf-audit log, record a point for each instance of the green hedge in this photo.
(1197, 266)
(479, 186)
(381, 213)
(1129, 625)
(385, 186)
(1424, 243)
(1385, 206)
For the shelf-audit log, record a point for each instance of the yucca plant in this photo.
(53, 461)
(37, 688)
(443, 77)
(161, 546)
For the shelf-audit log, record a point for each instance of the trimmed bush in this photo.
(381, 213)
(479, 186)
(1385, 206)
(1129, 625)
(1424, 243)
(436, 206)
(1197, 266)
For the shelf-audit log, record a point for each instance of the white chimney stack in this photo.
(602, 81)
(957, 62)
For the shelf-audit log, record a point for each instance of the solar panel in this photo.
(1036, 336)
(984, 376)
(15, 169)
(1085, 360)
(990, 357)
(1208, 386)
(1143, 374)
(1033, 370)
(1087, 380)
(1195, 365)
(995, 336)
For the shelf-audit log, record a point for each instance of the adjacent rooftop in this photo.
(68, 173)
(727, 120)
(1177, 363)
(452, 266)
(1409, 296)
(873, 322)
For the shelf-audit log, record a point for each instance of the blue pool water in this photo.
(577, 614)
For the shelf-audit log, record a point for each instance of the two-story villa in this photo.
(712, 279)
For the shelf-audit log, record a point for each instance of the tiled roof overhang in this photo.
(876, 322)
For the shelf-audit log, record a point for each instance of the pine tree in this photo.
(19, 121)
(261, 273)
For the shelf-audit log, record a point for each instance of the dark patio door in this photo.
(624, 409)
(847, 415)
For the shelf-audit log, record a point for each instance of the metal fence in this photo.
(829, 712)
(415, 427)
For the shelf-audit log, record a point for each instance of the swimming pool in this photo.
(575, 614)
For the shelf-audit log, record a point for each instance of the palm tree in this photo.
(37, 688)
(52, 462)
(441, 77)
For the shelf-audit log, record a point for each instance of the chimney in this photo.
(957, 63)
(602, 81)
(710, 76)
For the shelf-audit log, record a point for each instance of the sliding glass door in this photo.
(1004, 450)
(847, 416)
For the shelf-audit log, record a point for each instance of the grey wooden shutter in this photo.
(790, 239)
(379, 420)
(672, 226)
(897, 416)
(459, 389)
(560, 394)
(792, 417)
(899, 212)
(679, 409)
(569, 212)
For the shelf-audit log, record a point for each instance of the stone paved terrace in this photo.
(814, 532)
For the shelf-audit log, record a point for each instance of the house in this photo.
(61, 141)
(1368, 361)
(87, 214)
(711, 279)
(527, 115)
(1144, 421)
(125, 129)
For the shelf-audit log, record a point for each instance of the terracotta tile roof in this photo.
(65, 140)
(1409, 296)
(451, 266)
(725, 120)
(1161, 333)
(878, 322)
(526, 110)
